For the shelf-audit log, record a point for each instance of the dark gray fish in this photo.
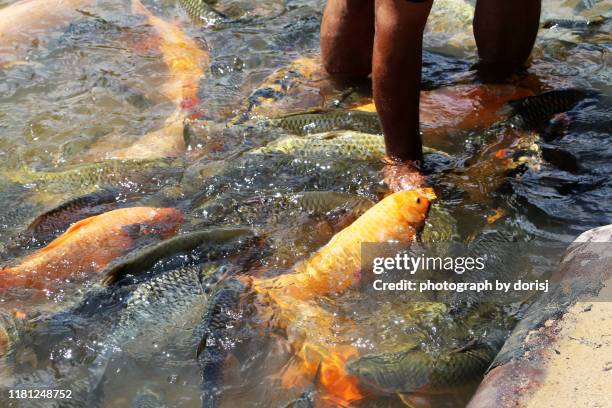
(534, 112)
(222, 323)
(50, 224)
(143, 259)
(154, 310)
(467, 339)
(416, 371)
(580, 24)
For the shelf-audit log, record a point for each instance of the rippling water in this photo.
(95, 82)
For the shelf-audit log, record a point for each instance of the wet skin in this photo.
(385, 37)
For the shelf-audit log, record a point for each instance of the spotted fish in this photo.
(339, 145)
(132, 175)
(336, 266)
(324, 121)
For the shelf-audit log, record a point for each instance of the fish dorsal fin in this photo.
(331, 135)
(73, 228)
(311, 111)
(414, 400)
(201, 345)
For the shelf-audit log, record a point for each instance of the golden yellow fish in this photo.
(336, 266)
(330, 271)
(186, 62)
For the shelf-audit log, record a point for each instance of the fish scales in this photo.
(128, 173)
(268, 210)
(200, 11)
(414, 370)
(339, 145)
(141, 260)
(533, 112)
(49, 224)
(469, 336)
(221, 322)
(318, 122)
(163, 300)
(154, 310)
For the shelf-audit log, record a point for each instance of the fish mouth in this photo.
(426, 192)
(416, 205)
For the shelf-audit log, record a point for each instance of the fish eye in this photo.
(418, 200)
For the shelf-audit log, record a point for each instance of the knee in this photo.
(505, 32)
(347, 35)
(401, 17)
(343, 68)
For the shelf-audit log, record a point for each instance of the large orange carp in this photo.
(89, 245)
(186, 62)
(24, 23)
(332, 270)
(336, 266)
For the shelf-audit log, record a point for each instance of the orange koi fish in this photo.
(24, 23)
(89, 245)
(186, 63)
(330, 271)
(185, 60)
(336, 266)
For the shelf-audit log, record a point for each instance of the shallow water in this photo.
(95, 82)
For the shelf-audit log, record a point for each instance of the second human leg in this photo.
(396, 75)
(347, 37)
(505, 32)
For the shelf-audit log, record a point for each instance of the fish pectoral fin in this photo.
(330, 135)
(201, 346)
(470, 345)
(311, 111)
(414, 401)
